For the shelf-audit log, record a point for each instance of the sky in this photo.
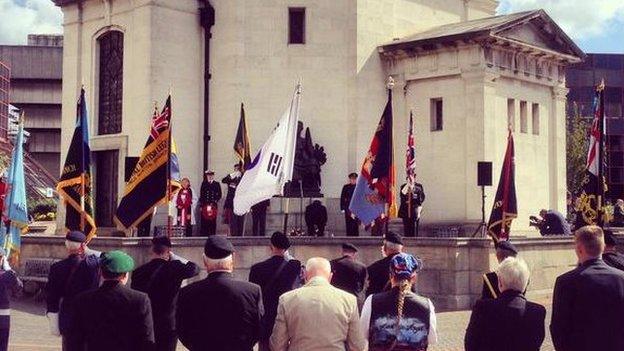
(597, 26)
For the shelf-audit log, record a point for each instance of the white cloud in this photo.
(580, 19)
(18, 18)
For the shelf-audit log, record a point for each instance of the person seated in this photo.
(618, 213)
(316, 218)
(509, 322)
(551, 223)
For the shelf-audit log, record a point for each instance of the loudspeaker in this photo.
(484, 173)
(129, 167)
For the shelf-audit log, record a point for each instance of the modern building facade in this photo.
(582, 79)
(36, 74)
(462, 70)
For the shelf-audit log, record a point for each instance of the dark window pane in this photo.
(296, 25)
(110, 82)
(437, 117)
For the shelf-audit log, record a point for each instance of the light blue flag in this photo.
(15, 202)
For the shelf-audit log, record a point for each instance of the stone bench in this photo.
(35, 275)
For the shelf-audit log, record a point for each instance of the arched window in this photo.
(110, 82)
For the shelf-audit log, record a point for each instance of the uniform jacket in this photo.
(509, 323)
(317, 316)
(614, 259)
(219, 313)
(61, 289)
(231, 180)
(345, 196)
(112, 317)
(588, 308)
(161, 280)
(210, 193)
(418, 198)
(490, 286)
(350, 276)
(289, 278)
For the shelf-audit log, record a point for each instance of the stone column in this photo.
(557, 149)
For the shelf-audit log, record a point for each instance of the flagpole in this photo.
(169, 217)
(601, 180)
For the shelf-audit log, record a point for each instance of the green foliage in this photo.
(577, 143)
(42, 210)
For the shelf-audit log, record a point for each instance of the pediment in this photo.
(541, 34)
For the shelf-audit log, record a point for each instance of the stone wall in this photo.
(451, 277)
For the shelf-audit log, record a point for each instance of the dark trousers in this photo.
(352, 224)
(188, 230)
(237, 224)
(4, 334)
(410, 227)
(208, 227)
(258, 222)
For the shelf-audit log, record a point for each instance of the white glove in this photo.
(5, 264)
(89, 251)
(53, 323)
(175, 257)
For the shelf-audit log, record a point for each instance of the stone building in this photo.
(582, 79)
(36, 73)
(463, 72)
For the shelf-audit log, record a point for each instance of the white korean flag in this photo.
(272, 166)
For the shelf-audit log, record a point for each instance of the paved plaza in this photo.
(29, 329)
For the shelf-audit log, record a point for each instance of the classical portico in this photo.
(451, 59)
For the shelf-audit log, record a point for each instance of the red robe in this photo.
(184, 203)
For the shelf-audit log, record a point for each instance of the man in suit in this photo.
(276, 275)
(351, 222)
(258, 217)
(611, 256)
(113, 317)
(509, 322)
(209, 196)
(379, 271)
(553, 223)
(411, 207)
(77, 273)
(504, 249)
(219, 312)
(348, 273)
(588, 301)
(317, 316)
(160, 279)
(316, 218)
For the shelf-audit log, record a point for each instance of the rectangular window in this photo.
(436, 114)
(524, 127)
(511, 114)
(535, 118)
(296, 25)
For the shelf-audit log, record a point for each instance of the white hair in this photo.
(318, 265)
(513, 273)
(221, 264)
(72, 245)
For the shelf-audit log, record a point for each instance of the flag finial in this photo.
(601, 86)
(390, 83)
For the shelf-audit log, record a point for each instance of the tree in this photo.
(577, 143)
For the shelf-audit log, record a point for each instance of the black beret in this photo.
(161, 240)
(353, 175)
(609, 238)
(506, 245)
(349, 247)
(218, 247)
(280, 240)
(76, 236)
(393, 238)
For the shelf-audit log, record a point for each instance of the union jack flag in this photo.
(160, 122)
(410, 155)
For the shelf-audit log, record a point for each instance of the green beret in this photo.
(117, 262)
